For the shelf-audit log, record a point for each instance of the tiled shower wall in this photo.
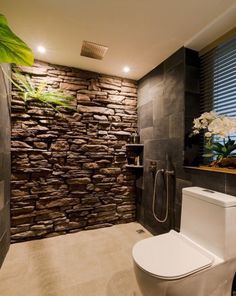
(68, 173)
(168, 100)
(5, 165)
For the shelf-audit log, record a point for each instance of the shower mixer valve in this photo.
(153, 166)
(153, 169)
(172, 172)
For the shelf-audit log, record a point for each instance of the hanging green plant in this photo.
(29, 91)
(15, 51)
(12, 48)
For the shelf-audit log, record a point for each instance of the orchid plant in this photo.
(217, 130)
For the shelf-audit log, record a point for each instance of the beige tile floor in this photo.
(88, 263)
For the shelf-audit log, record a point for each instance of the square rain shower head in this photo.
(93, 50)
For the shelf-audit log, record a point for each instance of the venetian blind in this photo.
(218, 79)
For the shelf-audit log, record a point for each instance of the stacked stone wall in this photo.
(68, 168)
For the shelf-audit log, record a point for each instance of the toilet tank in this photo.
(209, 219)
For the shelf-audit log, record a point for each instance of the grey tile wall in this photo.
(168, 100)
(161, 112)
(4, 166)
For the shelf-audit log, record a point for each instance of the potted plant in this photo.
(217, 131)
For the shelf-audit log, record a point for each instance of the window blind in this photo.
(218, 79)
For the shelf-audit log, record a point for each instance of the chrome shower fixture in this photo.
(171, 172)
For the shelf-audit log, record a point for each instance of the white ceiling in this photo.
(139, 33)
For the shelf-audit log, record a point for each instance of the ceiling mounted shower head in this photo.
(93, 50)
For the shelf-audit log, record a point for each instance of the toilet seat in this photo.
(171, 256)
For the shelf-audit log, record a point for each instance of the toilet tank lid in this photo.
(211, 196)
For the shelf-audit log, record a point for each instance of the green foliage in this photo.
(30, 91)
(12, 48)
(218, 150)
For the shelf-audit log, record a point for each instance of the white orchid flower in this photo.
(208, 134)
(214, 125)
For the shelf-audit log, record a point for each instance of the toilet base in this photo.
(214, 281)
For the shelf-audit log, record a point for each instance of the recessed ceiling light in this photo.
(41, 49)
(126, 69)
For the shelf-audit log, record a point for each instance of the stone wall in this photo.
(68, 170)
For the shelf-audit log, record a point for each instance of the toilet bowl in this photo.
(172, 265)
(198, 261)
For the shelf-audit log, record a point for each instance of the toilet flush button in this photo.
(208, 190)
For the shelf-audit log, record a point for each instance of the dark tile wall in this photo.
(168, 100)
(161, 95)
(4, 166)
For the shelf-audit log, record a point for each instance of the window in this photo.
(218, 79)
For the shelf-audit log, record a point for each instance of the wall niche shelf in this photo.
(133, 166)
(134, 145)
(134, 156)
(212, 169)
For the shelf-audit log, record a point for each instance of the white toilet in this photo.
(198, 261)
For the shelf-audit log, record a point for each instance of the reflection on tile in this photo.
(209, 180)
(146, 133)
(174, 59)
(231, 184)
(176, 125)
(145, 113)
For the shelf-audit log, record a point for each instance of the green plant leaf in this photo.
(231, 150)
(208, 154)
(229, 143)
(12, 48)
(215, 148)
(219, 145)
(41, 87)
(29, 91)
(224, 149)
(23, 80)
(25, 96)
